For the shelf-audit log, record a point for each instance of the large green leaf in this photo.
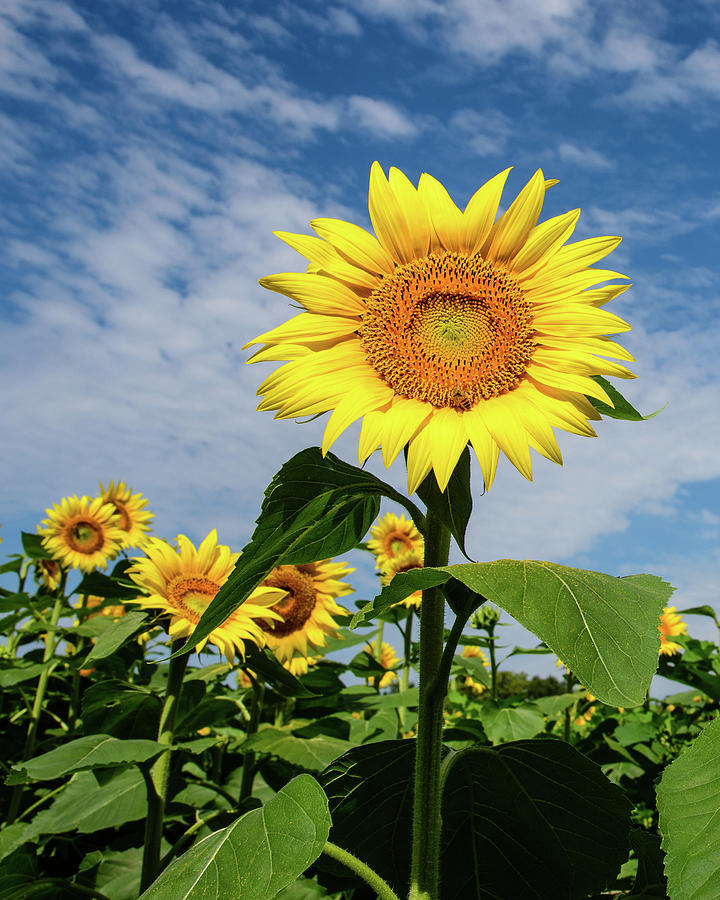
(89, 752)
(87, 806)
(510, 723)
(370, 790)
(452, 506)
(101, 585)
(19, 671)
(315, 507)
(255, 857)
(121, 709)
(33, 546)
(605, 629)
(307, 753)
(113, 638)
(688, 799)
(532, 819)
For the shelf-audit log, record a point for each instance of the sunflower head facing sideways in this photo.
(447, 327)
(304, 617)
(388, 660)
(671, 625)
(133, 517)
(392, 536)
(82, 533)
(404, 562)
(182, 583)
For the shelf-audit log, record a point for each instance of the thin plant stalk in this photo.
(31, 737)
(493, 665)
(378, 641)
(405, 674)
(369, 876)
(248, 775)
(425, 867)
(157, 776)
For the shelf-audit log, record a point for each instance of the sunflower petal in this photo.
(481, 210)
(446, 218)
(355, 245)
(388, 218)
(317, 293)
(484, 445)
(415, 211)
(402, 420)
(508, 433)
(512, 228)
(363, 399)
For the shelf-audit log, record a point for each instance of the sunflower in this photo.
(388, 659)
(449, 327)
(306, 611)
(466, 682)
(48, 573)
(134, 518)
(671, 624)
(393, 535)
(82, 533)
(183, 582)
(403, 562)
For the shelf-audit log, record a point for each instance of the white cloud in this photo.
(381, 118)
(583, 156)
(482, 133)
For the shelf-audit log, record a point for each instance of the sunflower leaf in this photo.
(605, 629)
(452, 506)
(687, 799)
(112, 639)
(573, 822)
(258, 855)
(622, 409)
(314, 508)
(100, 585)
(33, 546)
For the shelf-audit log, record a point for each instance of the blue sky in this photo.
(149, 149)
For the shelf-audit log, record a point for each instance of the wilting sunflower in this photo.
(671, 624)
(134, 518)
(388, 660)
(82, 533)
(392, 536)
(307, 609)
(183, 582)
(403, 562)
(450, 326)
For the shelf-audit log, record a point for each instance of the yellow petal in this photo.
(370, 434)
(481, 210)
(417, 216)
(543, 241)
(576, 257)
(355, 245)
(317, 293)
(307, 328)
(507, 432)
(485, 447)
(388, 218)
(512, 228)
(324, 258)
(401, 422)
(446, 218)
(448, 438)
(565, 381)
(601, 296)
(581, 320)
(568, 287)
(419, 459)
(359, 401)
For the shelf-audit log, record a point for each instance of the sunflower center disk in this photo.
(448, 329)
(300, 602)
(191, 595)
(85, 537)
(398, 543)
(124, 522)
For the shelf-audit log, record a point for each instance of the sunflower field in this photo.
(186, 721)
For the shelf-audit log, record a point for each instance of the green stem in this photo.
(379, 640)
(30, 739)
(248, 775)
(569, 679)
(381, 887)
(405, 674)
(493, 665)
(425, 871)
(157, 776)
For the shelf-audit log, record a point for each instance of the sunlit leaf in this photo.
(622, 408)
(113, 638)
(255, 857)
(313, 753)
(510, 723)
(688, 798)
(314, 508)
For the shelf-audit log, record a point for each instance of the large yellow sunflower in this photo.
(449, 327)
(82, 533)
(392, 536)
(671, 624)
(134, 518)
(306, 612)
(183, 582)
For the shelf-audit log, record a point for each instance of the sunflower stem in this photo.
(249, 757)
(34, 724)
(405, 674)
(369, 876)
(157, 776)
(378, 641)
(425, 871)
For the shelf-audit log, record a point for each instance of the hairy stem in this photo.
(425, 871)
(381, 887)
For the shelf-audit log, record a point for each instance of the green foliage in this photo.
(531, 819)
(258, 855)
(314, 508)
(605, 629)
(622, 408)
(688, 802)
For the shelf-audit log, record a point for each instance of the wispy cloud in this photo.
(583, 156)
